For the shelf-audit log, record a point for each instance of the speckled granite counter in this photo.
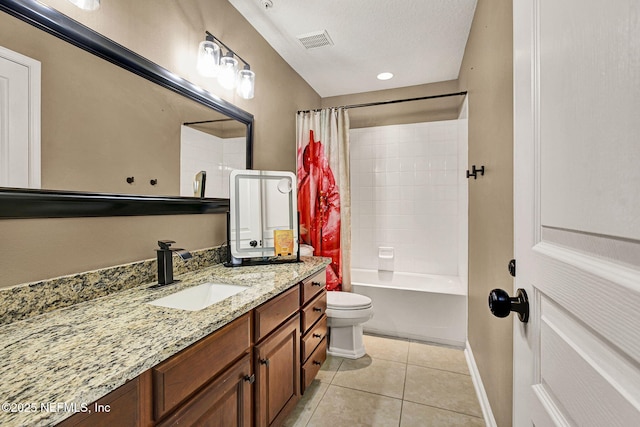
(80, 353)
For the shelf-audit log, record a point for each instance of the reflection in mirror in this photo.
(263, 219)
(102, 124)
(211, 149)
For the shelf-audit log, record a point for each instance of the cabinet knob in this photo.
(317, 309)
(264, 362)
(250, 378)
(317, 335)
(316, 284)
(315, 362)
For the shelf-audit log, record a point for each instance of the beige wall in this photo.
(400, 113)
(167, 32)
(486, 73)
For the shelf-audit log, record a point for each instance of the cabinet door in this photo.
(278, 374)
(226, 402)
(128, 405)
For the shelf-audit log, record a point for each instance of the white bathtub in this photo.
(415, 306)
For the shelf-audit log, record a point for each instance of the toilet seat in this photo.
(337, 300)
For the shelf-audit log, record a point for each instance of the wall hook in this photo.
(474, 172)
(130, 180)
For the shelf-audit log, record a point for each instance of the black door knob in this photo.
(501, 304)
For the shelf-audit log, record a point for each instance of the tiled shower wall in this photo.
(200, 151)
(405, 183)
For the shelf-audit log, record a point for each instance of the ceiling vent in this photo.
(315, 39)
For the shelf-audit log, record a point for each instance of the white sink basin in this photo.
(198, 297)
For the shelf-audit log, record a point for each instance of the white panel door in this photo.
(19, 120)
(577, 212)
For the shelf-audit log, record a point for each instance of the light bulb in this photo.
(246, 83)
(208, 58)
(385, 76)
(228, 71)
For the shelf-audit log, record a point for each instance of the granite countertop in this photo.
(78, 354)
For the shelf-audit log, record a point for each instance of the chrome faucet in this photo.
(165, 260)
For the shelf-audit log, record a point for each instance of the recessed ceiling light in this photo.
(384, 76)
(86, 4)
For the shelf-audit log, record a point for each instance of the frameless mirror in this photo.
(113, 124)
(263, 219)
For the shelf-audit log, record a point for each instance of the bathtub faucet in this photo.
(165, 260)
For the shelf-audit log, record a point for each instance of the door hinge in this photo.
(512, 267)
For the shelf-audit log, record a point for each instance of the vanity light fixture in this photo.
(208, 57)
(211, 63)
(86, 4)
(246, 82)
(228, 71)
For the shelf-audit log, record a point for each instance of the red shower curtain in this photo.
(319, 206)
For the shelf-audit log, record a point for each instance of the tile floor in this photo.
(398, 383)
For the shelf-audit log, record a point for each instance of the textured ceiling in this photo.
(419, 41)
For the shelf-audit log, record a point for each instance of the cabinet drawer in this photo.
(180, 376)
(313, 364)
(312, 285)
(312, 338)
(274, 312)
(314, 311)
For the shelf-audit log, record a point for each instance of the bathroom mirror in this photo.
(263, 217)
(108, 165)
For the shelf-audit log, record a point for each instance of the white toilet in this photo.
(346, 312)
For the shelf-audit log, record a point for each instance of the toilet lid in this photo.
(347, 301)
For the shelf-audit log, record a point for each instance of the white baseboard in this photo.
(487, 413)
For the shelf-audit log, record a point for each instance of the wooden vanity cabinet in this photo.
(128, 406)
(313, 341)
(250, 372)
(277, 358)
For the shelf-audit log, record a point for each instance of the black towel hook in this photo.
(474, 172)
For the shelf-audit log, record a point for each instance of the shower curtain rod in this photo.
(395, 101)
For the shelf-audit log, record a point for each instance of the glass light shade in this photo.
(208, 58)
(228, 72)
(86, 4)
(246, 83)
